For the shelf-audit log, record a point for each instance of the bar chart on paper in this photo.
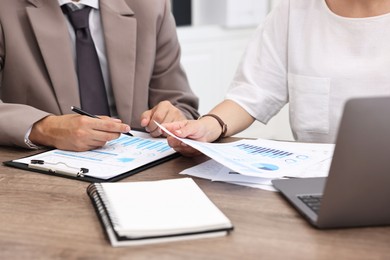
(266, 158)
(122, 150)
(138, 145)
(263, 151)
(261, 157)
(269, 159)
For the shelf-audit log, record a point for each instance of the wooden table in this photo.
(50, 217)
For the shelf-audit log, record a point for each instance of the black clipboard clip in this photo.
(56, 169)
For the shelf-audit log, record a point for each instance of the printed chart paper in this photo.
(116, 157)
(264, 158)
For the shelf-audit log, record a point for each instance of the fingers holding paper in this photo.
(76, 132)
(192, 129)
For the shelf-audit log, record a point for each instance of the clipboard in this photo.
(87, 178)
(118, 159)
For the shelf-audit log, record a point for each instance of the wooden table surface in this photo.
(46, 217)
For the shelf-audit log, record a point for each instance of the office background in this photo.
(213, 35)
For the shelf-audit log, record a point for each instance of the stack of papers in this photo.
(215, 171)
(256, 162)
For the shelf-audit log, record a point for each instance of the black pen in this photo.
(84, 113)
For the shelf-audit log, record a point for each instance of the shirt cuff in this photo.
(27, 141)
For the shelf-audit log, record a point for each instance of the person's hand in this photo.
(164, 112)
(184, 129)
(199, 130)
(76, 132)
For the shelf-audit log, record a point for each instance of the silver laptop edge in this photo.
(357, 190)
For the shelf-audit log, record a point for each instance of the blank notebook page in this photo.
(163, 207)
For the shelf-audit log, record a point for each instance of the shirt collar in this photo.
(91, 3)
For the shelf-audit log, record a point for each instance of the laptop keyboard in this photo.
(312, 201)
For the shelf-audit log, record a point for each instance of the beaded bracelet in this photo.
(221, 123)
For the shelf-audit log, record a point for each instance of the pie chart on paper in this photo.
(267, 167)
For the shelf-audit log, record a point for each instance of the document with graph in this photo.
(264, 158)
(117, 159)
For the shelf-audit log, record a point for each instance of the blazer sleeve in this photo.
(1, 53)
(169, 81)
(15, 119)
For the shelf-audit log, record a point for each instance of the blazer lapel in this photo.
(49, 26)
(120, 35)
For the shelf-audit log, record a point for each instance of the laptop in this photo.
(357, 190)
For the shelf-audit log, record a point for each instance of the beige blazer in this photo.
(37, 71)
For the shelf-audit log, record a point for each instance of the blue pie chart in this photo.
(267, 167)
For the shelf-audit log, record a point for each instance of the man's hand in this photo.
(164, 112)
(76, 132)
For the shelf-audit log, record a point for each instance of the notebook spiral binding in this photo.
(106, 214)
(93, 193)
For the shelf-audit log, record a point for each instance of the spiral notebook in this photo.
(136, 213)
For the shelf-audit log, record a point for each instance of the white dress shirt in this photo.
(309, 57)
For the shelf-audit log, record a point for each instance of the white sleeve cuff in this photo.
(27, 141)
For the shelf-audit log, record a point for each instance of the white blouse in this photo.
(309, 57)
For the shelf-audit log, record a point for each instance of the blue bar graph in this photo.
(263, 151)
(142, 144)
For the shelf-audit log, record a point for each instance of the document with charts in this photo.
(264, 158)
(117, 157)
